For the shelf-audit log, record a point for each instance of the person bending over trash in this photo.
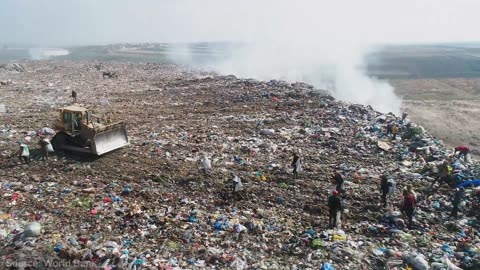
(444, 173)
(334, 208)
(462, 151)
(45, 147)
(23, 153)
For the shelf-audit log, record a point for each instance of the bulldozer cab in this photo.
(82, 131)
(70, 119)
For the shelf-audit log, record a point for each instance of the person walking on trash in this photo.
(297, 165)
(74, 96)
(408, 207)
(404, 116)
(334, 209)
(457, 199)
(387, 187)
(205, 163)
(389, 128)
(411, 191)
(237, 185)
(23, 153)
(338, 178)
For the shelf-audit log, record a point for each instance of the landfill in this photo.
(165, 201)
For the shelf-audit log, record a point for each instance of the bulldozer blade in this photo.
(110, 140)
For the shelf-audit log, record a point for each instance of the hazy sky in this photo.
(67, 22)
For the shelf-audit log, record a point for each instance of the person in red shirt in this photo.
(463, 151)
(408, 206)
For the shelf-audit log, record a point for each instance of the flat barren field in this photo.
(448, 107)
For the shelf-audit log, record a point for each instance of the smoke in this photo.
(46, 53)
(340, 70)
(37, 54)
(299, 43)
(325, 43)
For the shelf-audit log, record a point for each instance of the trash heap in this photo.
(150, 206)
(12, 68)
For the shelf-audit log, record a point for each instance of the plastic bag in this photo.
(49, 146)
(327, 266)
(47, 131)
(25, 151)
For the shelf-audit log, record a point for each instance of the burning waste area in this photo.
(224, 173)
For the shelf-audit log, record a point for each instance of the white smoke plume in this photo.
(341, 72)
(299, 42)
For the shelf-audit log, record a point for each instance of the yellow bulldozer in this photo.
(79, 130)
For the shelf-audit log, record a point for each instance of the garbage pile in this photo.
(166, 201)
(12, 67)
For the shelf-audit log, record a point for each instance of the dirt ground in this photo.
(447, 108)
